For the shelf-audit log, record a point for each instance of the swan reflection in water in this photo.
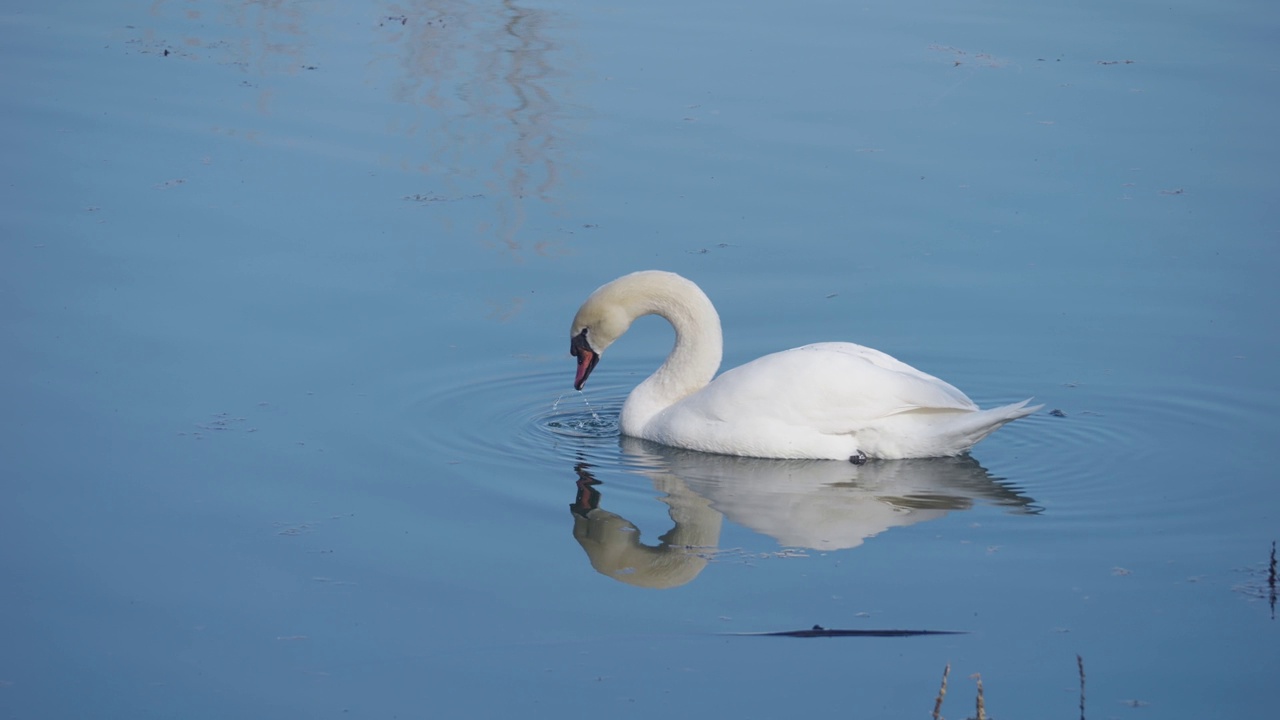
(814, 504)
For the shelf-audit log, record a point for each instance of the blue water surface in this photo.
(289, 428)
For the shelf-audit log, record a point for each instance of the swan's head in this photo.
(601, 320)
(608, 313)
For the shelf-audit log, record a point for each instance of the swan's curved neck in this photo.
(693, 360)
(697, 352)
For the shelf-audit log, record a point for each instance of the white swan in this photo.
(825, 401)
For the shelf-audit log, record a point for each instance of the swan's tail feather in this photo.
(932, 433)
(971, 428)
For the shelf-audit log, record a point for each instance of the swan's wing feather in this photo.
(831, 387)
(915, 388)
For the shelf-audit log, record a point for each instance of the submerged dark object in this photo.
(819, 631)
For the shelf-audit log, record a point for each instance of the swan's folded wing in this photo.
(829, 387)
(915, 389)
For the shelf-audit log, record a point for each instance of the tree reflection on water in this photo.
(473, 86)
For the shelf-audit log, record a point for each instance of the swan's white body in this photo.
(825, 401)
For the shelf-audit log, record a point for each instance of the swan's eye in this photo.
(579, 343)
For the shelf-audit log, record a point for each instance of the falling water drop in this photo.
(594, 416)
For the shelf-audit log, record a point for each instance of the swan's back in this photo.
(829, 400)
(830, 386)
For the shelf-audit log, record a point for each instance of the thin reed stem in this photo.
(942, 693)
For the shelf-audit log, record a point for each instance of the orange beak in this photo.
(587, 359)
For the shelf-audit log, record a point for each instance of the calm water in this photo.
(289, 424)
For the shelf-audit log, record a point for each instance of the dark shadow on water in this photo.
(818, 505)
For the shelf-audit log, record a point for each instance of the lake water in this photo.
(289, 428)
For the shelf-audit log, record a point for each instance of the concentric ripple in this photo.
(587, 424)
(518, 419)
(1114, 449)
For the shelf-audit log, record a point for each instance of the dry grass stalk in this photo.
(1080, 664)
(982, 706)
(1271, 580)
(942, 693)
